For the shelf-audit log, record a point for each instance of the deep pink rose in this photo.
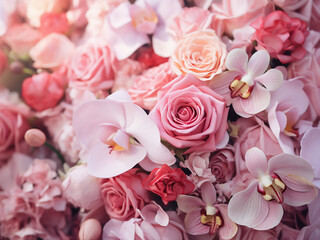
(124, 194)
(254, 133)
(91, 67)
(281, 35)
(146, 86)
(168, 183)
(54, 22)
(222, 164)
(190, 115)
(42, 91)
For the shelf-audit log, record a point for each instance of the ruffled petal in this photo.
(271, 80)
(256, 162)
(258, 63)
(237, 60)
(248, 207)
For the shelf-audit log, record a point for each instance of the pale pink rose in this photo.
(21, 38)
(189, 20)
(91, 66)
(13, 125)
(43, 91)
(302, 68)
(236, 16)
(200, 53)
(124, 195)
(35, 9)
(52, 51)
(222, 164)
(190, 115)
(82, 189)
(146, 86)
(198, 164)
(254, 133)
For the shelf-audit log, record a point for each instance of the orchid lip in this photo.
(240, 88)
(213, 220)
(271, 187)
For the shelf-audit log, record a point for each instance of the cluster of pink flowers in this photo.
(159, 119)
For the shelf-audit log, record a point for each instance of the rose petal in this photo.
(256, 162)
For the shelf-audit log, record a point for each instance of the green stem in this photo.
(28, 71)
(59, 155)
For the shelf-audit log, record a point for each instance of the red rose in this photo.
(281, 35)
(168, 183)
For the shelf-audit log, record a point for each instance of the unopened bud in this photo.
(90, 230)
(35, 137)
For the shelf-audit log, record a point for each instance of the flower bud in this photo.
(90, 230)
(35, 137)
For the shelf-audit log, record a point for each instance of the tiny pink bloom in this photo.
(285, 178)
(249, 85)
(205, 215)
(117, 135)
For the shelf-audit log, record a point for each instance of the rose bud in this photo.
(35, 137)
(90, 230)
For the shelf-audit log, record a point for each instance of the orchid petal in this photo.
(208, 193)
(122, 139)
(154, 214)
(148, 135)
(229, 228)
(256, 162)
(193, 223)
(188, 203)
(237, 60)
(271, 80)
(297, 198)
(258, 101)
(274, 217)
(248, 207)
(258, 63)
(286, 165)
(120, 96)
(120, 16)
(103, 164)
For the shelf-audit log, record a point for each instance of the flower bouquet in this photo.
(159, 119)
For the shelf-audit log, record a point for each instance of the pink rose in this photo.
(200, 53)
(124, 195)
(189, 20)
(52, 51)
(82, 189)
(54, 22)
(222, 164)
(13, 125)
(35, 9)
(281, 35)
(190, 115)
(146, 86)
(254, 133)
(21, 38)
(43, 91)
(235, 16)
(91, 67)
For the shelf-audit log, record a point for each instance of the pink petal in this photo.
(296, 198)
(256, 162)
(258, 63)
(237, 60)
(193, 223)
(115, 229)
(272, 79)
(220, 83)
(248, 207)
(122, 139)
(189, 203)
(258, 101)
(208, 193)
(273, 218)
(120, 96)
(147, 133)
(229, 228)
(87, 119)
(286, 165)
(120, 16)
(154, 214)
(103, 164)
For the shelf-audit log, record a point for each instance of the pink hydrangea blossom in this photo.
(119, 135)
(205, 215)
(246, 85)
(284, 178)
